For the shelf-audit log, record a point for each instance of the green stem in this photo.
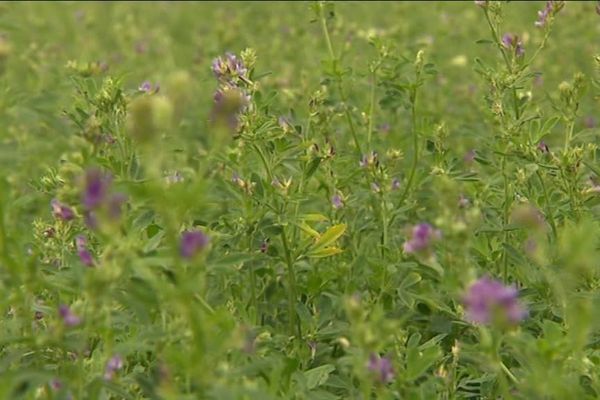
(339, 79)
(291, 284)
(505, 218)
(569, 134)
(415, 138)
(549, 212)
(264, 161)
(371, 110)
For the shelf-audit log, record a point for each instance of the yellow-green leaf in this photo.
(307, 229)
(324, 252)
(331, 235)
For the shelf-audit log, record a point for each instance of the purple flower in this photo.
(543, 147)
(384, 128)
(192, 242)
(96, 188)
(84, 254)
(115, 202)
(264, 246)
(337, 202)
(395, 184)
(369, 159)
(69, 319)
(488, 300)
(513, 42)
(469, 156)
(112, 366)
(56, 384)
(552, 8)
(228, 68)
(61, 211)
(381, 367)
(422, 237)
(148, 88)
(589, 121)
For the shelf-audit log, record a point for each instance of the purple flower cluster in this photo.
(97, 195)
(62, 211)
(148, 88)
(229, 68)
(114, 364)
(423, 235)
(368, 160)
(512, 42)
(488, 300)
(192, 242)
(337, 202)
(68, 317)
(82, 251)
(381, 367)
(552, 8)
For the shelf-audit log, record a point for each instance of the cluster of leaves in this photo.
(310, 279)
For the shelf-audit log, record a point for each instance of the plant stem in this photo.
(415, 138)
(339, 79)
(291, 284)
(549, 212)
(371, 110)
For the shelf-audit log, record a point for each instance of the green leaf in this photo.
(317, 376)
(325, 252)
(331, 235)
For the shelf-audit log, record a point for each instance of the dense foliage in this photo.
(391, 200)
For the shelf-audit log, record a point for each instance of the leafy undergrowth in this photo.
(299, 201)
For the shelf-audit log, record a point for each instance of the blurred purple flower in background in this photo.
(423, 235)
(82, 251)
(512, 42)
(488, 299)
(112, 366)
(337, 202)
(62, 211)
(96, 188)
(69, 319)
(192, 242)
(381, 367)
(552, 8)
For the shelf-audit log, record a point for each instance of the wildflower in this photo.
(264, 246)
(337, 202)
(49, 233)
(552, 8)
(148, 87)
(543, 147)
(192, 242)
(56, 384)
(422, 237)
(463, 202)
(513, 42)
(114, 364)
(229, 102)
(469, 156)
(69, 318)
(395, 184)
(84, 254)
(375, 187)
(368, 160)
(382, 367)
(62, 211)
(384, 128)
(228, 68)
(488, 299)
(589, 121)
(96, 188)
(115, 202)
